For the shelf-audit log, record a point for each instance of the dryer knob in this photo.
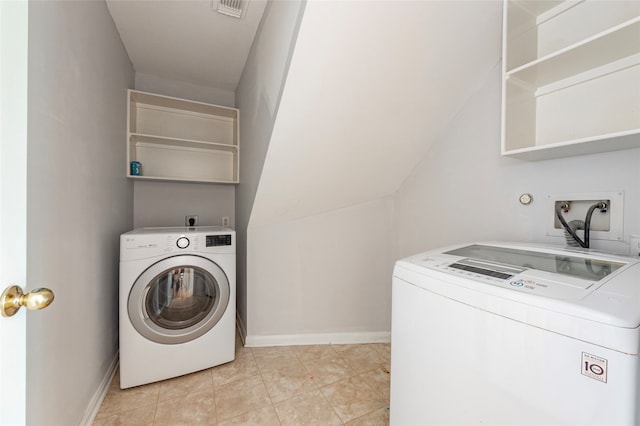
(183, 242)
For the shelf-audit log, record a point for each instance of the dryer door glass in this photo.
(181, 297)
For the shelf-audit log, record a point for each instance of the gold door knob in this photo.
(13, 299)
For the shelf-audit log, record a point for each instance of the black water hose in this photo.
(602, 205)
(587, 223)
(570, 230)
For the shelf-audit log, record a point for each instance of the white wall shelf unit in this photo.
(571, 77)
(182, 141)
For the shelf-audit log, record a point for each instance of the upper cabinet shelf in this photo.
(603, 49)
(180, 140)
(571, 81)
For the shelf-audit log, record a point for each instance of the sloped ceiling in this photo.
(370, 87)
(187, 40)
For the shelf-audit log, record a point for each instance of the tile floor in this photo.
(287, 385)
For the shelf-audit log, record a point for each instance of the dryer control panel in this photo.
(148, 242)
(218, 240)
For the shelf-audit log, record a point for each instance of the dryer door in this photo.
(178, 299)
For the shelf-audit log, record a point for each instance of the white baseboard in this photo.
(317, 339)
(95, 403)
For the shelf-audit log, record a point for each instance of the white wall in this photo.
(258, 97)
(181, 89)
(463, 190)
(79, 202)
(360, 107)
(322, 279)
(167, 203)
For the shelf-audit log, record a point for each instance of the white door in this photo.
(13, 212)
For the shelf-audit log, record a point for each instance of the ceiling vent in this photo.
(230, 7)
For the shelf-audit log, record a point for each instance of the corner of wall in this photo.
(257, 96)
(181, 89)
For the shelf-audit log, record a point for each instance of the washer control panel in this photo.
(483, 270)
(510, 277)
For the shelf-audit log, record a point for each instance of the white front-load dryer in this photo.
(177, 302)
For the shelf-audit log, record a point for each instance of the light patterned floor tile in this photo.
(274, 358)
(308, 352)
(380, 417)
(328, 369)
(243, 367)
(379, 380)
(307, 409)
(241, 397)
(349, 348)
(263, 417)
(191, 409)
(183, 385)
(383, 349)
(362, 358)
(141, 416)
(119, 400)
(288, 382)
(352, 398)
(283, 389)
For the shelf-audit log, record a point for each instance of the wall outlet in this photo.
(225, 221)
(191, 220)
(604, 226)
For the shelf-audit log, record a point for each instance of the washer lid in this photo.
(607, 313)
(590, 285)
(565, 264)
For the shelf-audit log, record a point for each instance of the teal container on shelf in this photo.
(136, 168)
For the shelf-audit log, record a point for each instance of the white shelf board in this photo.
(186, 163)
(610, 68)
(551, 12)
(538, 7)
(166, 179)
(186, 143)
(144, 99)
(608, 46)
(591, 145)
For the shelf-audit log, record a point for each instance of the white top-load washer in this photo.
(177, 302)
(510, 334)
